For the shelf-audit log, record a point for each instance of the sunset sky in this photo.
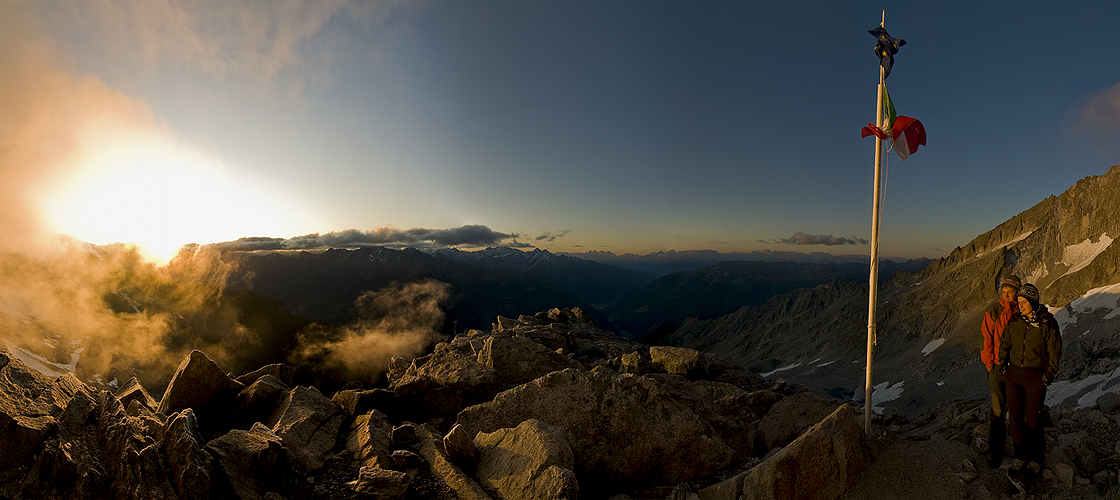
(628, 126)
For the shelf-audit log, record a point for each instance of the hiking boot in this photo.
(1016, 470)
(1032, 471)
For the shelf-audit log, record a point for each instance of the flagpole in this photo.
(874, 278)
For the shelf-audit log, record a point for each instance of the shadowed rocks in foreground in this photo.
(544, 406)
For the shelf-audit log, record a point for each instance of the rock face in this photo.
(789, 417)
(368, 440)
(188, 463)
(202, 385)
(825, 461)
(618, 427)
(243, 460)
(533, 460)
(308, 423)
(583, 428)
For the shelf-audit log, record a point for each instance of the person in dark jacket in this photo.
(1029, 351)
(995, 320)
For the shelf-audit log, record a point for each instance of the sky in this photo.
(623, 126)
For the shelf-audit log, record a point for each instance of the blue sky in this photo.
(628, 126)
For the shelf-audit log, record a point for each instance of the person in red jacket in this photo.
(1029, 352)
(996, 317)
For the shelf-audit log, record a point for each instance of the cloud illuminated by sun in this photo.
(147, 189)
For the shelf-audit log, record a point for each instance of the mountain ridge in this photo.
(1063, 244)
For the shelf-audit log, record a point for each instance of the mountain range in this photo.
(928, 337)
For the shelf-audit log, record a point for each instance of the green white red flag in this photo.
(905, 133)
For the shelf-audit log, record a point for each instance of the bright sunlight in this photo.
(159, 195)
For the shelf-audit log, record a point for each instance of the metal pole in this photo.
(874, 278)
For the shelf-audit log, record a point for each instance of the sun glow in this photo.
(160, 195)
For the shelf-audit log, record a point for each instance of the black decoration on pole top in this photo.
(886, 48)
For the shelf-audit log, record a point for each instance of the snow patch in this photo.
(826, 364)
(1107, 297)
(1090, 388)
(782, 369)
(1037, 275)
(941, 383)
(932, 346)
(41, 364)
(1080, 255)
(884, 392)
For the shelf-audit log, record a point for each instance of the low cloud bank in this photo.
(468, 236)
(800, 238)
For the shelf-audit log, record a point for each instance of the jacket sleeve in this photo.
(1053, 351)
(1005, 346)
(987, 331)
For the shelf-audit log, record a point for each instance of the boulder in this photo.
(820, 465)
(726, 407)
(380, 484)
(691, 363)
(256, 402)
(519, 359)
(368, 440)
(187, 462)
(442, 383)
(307, 422)
(199, 383)
(463, 486)
(636, 363)
(357, 402)
(448, 368)
(245, 462)
(791, 416)
(403, 436)
(279, 370)
(1108, 402)
(619, 427)
(533, 460)
(133, 391)
(460, 448)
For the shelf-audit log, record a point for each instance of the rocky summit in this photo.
(549, 406)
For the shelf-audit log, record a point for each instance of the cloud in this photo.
(552, 236)
(1096, 118)
(395, 321)
(468, 236)
(276, 45)
(800, 238)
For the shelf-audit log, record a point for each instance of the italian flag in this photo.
(905, 133)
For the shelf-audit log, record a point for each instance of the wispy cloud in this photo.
(552, 236)
(468, 236)
(260, 43)
(800, 238)
(1096, 118)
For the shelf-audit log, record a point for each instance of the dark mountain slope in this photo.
(595, 283)
(928, 322)
(323, 286)
(661, 305)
